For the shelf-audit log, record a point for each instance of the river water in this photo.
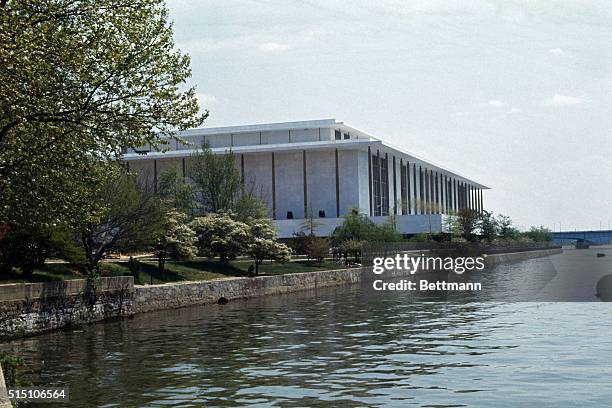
(343, 346)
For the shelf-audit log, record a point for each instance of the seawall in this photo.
(27, 309)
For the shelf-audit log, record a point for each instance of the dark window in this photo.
(338, 135)
(321, 213)
(289, 215)
(347, 136)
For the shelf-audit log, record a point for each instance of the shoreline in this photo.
(30, 309)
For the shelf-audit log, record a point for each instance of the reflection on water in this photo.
(349, 345)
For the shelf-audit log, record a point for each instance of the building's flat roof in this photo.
(264, 127)
(364, 140)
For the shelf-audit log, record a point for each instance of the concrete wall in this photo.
(258, 171)
(321, 182)
(349, 180)
(363, 182)
(289, 177)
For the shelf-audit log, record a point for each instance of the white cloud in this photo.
(273, 47)
(557, 51)
(496, 103)
(564, 100)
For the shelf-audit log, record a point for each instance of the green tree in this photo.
(359, 227)
(263, 244)
(356, 226)
(176, 191)
(220, 235)
(248, 207)
(539, 234)
(80, 81)
(127, 217)
(506, 230)
(216, 179)
(176, 241)
(387, 232)
(488, 226)
(28, 248)
(467, 223)
(317, 248)
(310, 224)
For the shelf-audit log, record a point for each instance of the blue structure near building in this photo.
(587, 237)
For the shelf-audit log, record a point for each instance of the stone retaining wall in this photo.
(173, 295)
(31, 308)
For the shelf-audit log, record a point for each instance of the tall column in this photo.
(444, 193)
(370, 179)
(455, 204)
(421, 198)
(305, 181)
(337, 185)
(416, 189)
(436, 193)
(408, 189)
(273, 188)
(427, 193)
(394, 187)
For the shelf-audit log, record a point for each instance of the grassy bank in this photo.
(194, 270)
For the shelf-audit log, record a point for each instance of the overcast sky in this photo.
(514, 94)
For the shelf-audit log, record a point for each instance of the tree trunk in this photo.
(257, 267)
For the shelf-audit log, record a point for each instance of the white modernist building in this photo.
(325, 168)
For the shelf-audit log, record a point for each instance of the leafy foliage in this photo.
(467, 223)
(248, 208)
(220, 235)
(176, 191)
(216, 179)
(263, 244)
(27, 248)
(128, 218)
(80, 81)
(539, 234)
(506, 230)
(359, 227)
(176, 241)
(488, 226)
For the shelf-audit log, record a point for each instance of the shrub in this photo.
(317, 248)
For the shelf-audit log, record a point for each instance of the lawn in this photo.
(194, 270)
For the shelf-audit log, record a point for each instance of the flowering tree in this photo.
(177, 240)
(263, 244)
(220, 235)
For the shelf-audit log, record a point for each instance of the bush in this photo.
(28, 248)
(317, 248)
(351, 248)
